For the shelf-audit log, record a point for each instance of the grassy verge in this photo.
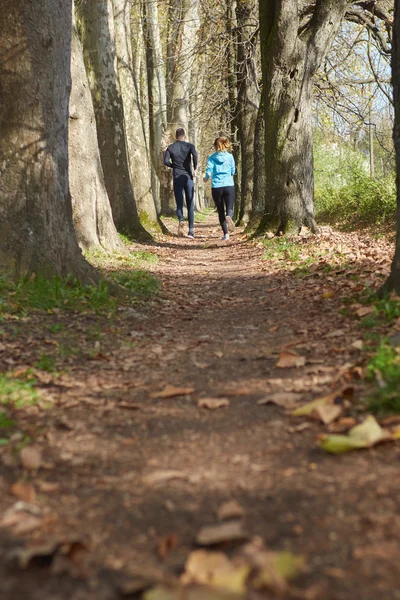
(361, 202)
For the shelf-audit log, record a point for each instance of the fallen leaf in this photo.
(365, 435)
(230, 510)
(180, 592)
(170, 391)
(219, 354)
(364, 311)
(358, 344)
(215, 569)
(47, 487)
(166, 544)
(327, 295)
(289, 359)
(163, 476)
(336, 333)
(24, 491)
(222, 532)
(213, 403)
(287, 400)
(128, 405)
(31, 458)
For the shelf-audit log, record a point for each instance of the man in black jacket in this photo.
(182, 158)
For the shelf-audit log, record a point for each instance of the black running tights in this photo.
(224, 198)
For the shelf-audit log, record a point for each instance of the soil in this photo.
(126, 479)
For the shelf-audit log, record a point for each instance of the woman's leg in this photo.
(218, 197)
(229, 197)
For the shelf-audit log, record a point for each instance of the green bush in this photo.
(384, 369)
(346, 194)
(361, 202)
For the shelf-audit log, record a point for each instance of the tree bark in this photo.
(97, 32)
(248, 99)
(91, 209)
(291, 56)
(36, 229)
(260, 184)
(140, 170)
(183, 63)
(393, 281)
(157, 95)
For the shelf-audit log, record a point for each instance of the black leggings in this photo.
(224, 197)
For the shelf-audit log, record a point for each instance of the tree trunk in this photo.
(259, 186)
(232, 86)
(393, 281)
(140, 170)
(36, 229)
(248, 99)
(97, 33)
(291, 54)
(184, 59)
(156, 92)
(91, 209)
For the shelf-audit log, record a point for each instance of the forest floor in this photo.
(179, 418)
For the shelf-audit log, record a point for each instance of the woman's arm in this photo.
(233, 166)
(209, 169)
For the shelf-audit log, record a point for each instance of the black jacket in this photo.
(179, 156)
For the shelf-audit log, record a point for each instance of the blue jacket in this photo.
(221, 167)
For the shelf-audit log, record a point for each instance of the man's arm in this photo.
(167, 159)
(195, 157)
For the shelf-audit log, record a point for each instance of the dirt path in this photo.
(128, 473)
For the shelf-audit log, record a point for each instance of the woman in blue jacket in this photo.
(221, 168)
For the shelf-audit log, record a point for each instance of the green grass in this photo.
(47, 363)
(56, 293)
(384, 370)
(282, 248)
(18, 392)
(141, 283)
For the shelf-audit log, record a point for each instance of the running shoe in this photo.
(190, 235)
(181, 227)
(230, 224)
(226, 237)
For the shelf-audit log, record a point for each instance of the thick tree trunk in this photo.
(91, 209)
(36, 229)
(291, 56)
(248, 99)
(393, 282)
(140, 170)
(97, 33)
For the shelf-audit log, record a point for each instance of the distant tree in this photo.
(96, 24)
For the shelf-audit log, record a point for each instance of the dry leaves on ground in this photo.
(213, 403)
(289, 359)
(171, 391)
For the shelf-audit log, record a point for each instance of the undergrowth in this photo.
(17, 391)
(55, 293)
(384, 370)
(360, 202)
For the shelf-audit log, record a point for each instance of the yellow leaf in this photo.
(365, 435)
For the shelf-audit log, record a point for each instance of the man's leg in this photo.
(218, 197)
(179, 187)
(189, 192)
